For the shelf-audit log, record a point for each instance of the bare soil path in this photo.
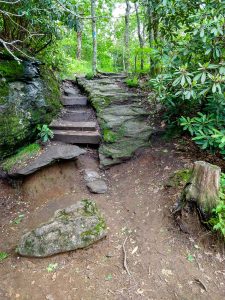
(163, 262)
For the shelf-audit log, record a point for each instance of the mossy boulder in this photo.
(123, 120)
(29, 95)
(74, 227)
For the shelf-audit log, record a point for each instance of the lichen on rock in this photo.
(74, 227)
(29, 95)
(122, 118)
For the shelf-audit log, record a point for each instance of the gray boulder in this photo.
(94, 182)
(74, 227)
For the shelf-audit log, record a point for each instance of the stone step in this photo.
(77, 137)
(75, 126)
(116, 76)
(74, 100)
(71, 91)
(76, 115)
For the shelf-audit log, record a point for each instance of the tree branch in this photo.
(7, 2)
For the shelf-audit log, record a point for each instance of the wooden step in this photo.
(75, 100)
(76, 115)
(77, 137)
(75, 126)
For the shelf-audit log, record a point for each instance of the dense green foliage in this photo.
(217, 221)
(192, 82)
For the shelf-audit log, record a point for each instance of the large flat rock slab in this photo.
(72, 228)
(53, 152)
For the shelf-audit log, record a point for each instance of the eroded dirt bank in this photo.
(164, 263)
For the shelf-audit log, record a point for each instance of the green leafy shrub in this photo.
(186, 90)
(45, 133)
(132, 82)
(208, 131)
(217, 221)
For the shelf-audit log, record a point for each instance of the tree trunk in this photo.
(141, 40)
(79, 45)
(150, 34)
(127, 37)
(94, 36)
(202, 189)
(124, 65)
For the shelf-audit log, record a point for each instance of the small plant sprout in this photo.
(52, 267)
(109, 277)
(3, 256)
(190, 258)
(18, 219)
(45, 133)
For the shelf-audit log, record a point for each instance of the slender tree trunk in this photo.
(79, 45)
(150, 34)
(141, 40)
(124, 65)
(94, 36)
(135, 63)
(127, 36)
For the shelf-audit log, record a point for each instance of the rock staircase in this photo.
(77, 123)
(124, 114)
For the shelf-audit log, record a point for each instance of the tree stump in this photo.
(202, 189)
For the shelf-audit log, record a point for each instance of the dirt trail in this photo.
(164, 263)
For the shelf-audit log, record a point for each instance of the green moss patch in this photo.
(11, 69)
(90, 208)
(22, 111)
(99, 103)
(21, 157)
(4, 91)
(180, 178)
(52, 93)
(132, 82)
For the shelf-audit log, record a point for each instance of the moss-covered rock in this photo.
(122, 119)
(29, 95)
(74, 227)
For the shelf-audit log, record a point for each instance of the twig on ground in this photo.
(149, 270)
(125, 257)
(200, 283)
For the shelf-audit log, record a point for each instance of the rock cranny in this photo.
(74, 227)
